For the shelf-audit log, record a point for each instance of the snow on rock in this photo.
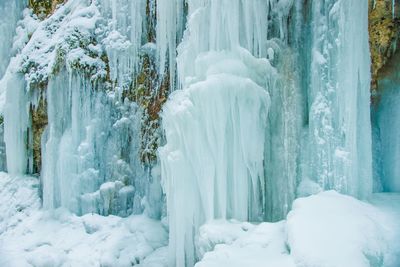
(32, 237)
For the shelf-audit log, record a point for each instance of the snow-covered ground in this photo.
(327, 229)
(30, 236)
(324, 230)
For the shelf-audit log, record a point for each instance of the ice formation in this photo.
(90, 146)
(339, 120)
(335, 152)
(268, 101)
(205, 179)
(10, 12)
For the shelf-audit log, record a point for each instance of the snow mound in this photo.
(327, 229)
(330, 229)
(255, 246)
(32, 237)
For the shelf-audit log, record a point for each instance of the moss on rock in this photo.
(384, 31)
(44, 8)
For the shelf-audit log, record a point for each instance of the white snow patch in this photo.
(32, 237)
(327, 229)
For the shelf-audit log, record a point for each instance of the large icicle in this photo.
(10, 13)
(16, 116)
(212, 165)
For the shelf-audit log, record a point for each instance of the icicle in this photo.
(124, 41)
(16, 125)
(169, 31)
(10, 13)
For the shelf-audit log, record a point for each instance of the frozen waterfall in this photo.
(226, 157)
(245, 105)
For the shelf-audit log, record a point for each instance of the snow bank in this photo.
(330, 229)
(327, 229)
(255, 246)
(31, 237)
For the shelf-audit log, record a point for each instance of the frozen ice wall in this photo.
(316, 135)
(91, 147)
(339, 133)
(84, 55)
(90, 159)
(273, 103)
(216, 126)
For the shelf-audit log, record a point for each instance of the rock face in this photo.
(39, 123)
(384, 31)
(43, 8)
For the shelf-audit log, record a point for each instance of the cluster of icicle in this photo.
(90, 146)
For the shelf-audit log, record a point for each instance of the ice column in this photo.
(213, 162)
(16, 127)
(10, 12)
(339, 119)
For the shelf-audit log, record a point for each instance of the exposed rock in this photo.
(39, 123)
(43, 8)
(384, 31)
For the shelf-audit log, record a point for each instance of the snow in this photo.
(327, 229)
(30, 236)
(330, 229)
(261, 245)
